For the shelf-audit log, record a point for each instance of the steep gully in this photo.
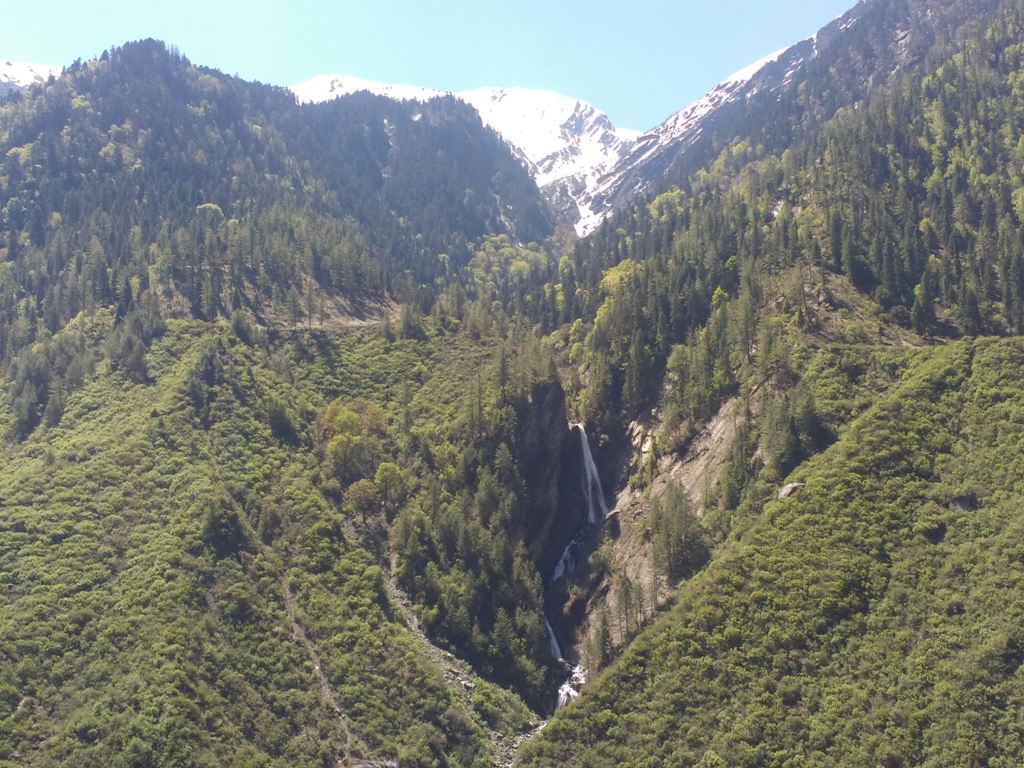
(571, 558)
(458, 676)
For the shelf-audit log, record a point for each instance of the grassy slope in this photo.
(126, 639)
(863, 621)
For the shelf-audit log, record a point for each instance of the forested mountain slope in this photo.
(212, 501)
(283, 380)
(145, 184)
(185, 583)
(911, 196)
(141, 172)
(833, 627)
(785, 99)
(873, 618)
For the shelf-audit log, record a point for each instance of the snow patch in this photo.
(748, 72)
(328, 87)
(22, 74)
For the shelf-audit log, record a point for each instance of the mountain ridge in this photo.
(585, 166)
(652, 156)
(566, 143)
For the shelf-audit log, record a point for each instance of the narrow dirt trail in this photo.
(352, 746)
(353, 750)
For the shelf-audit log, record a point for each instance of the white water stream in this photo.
(591, 482)
(597, 511)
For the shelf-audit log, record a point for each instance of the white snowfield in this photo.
(21, 74)
(562, 136)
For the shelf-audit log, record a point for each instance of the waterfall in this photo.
(570, 558)
(556, 650)
(591, 480)
(570, 689)
(567, 562)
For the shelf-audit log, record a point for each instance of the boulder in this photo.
(788, 490)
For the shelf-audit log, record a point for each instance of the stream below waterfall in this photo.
(572, 556)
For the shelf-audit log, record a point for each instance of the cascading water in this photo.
(570, 689)
(556, 650)
(597, 511)
(591, 480)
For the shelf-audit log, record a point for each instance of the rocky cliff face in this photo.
(551, 465)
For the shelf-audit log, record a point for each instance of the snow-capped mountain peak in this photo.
(541, 123)
(584, 165)
(689, 133)
(16, 75)
(568, 143)
(647, 148)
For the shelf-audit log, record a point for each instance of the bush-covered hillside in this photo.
(835, 627)
(183, 585)
(872, 618)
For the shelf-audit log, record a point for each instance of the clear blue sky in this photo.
(638, 60)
